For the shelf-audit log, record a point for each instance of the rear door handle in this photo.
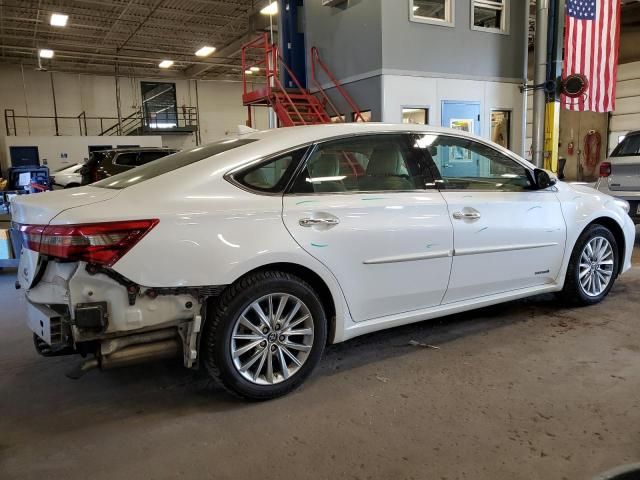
(310, 222)
(466, 215)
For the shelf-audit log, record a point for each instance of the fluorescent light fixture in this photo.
(58, 19)
(270, 9)
(255, 69)
(248, 72)
(165, 63)
(45, 53)
(205, 51)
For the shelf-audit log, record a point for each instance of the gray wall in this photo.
(421, 47)
(348, 37)
(366, 94)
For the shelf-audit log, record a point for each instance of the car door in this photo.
(508, 236)
(360, 206)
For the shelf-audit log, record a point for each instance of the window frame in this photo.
(449, 15)
(492, 4)
(509, 133)
(427, 111)
(290, 174)
(146, 116)
(505, 153)
(428, 164)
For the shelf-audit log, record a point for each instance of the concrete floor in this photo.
(525, 390)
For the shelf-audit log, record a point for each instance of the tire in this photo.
(574, 292)
(225, 333)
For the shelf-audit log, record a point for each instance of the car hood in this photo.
(41, 208)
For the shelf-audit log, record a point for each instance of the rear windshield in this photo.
(629, 147)
(170, 163)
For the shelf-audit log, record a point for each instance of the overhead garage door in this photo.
(627, 114)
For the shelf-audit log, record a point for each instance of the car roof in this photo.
(136, 149)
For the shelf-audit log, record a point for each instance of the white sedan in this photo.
(248, 255)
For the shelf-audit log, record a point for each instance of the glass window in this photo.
(432, 11)
(170, 163)
(501, 127)
(129, 159)
(416, 116)
(365, 114)
(364, 164)
(489, 15)
(159, 104)
(146, 157)
(628, 147)
(483, 168)
(273, 175)
(338, 119)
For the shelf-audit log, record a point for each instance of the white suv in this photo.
(620, 174)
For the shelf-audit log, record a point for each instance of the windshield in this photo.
(170, 163)
(629, 147)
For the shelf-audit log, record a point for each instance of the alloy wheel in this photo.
(272, 339)
(596, 266)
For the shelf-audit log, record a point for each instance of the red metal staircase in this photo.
(292, 106)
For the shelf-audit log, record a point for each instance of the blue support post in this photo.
(292, 46)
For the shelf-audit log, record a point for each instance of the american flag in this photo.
(591, 48)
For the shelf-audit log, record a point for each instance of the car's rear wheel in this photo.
(592, 268)
(265, 335)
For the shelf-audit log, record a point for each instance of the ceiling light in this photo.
(205, 51)
(46, 53)
(270, 9)
(165, 63)
(248, 72)
(58, 19)
(255, 69)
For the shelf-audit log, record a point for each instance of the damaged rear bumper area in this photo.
(78, 308)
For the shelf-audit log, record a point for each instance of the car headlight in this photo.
(623, 204)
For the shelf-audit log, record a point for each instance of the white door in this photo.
(507, 235)
(360, 206)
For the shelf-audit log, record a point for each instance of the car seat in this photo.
(386, 171)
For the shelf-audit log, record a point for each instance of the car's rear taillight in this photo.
(99, 243)
(605, 169)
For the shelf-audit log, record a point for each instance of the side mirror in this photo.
(542, 179)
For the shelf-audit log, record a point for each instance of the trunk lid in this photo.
(41, 208)
(625, 174)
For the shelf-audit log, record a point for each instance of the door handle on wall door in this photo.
(466, 215)
(310, 222)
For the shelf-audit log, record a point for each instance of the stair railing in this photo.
(315, 60)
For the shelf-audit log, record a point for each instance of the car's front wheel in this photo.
(265, 336)
(592, 268)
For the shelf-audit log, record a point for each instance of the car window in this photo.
(385, 162)
(128, 159)
(271, 176)
(629, 147)
(170, 163)
(464, 164)
(146, 157)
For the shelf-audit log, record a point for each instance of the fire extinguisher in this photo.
(570, 148)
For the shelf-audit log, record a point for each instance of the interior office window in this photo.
(491, 15)
(159, 105)
(439, 12)
(338, 119)
(366, 116)
(416, 116)
(501, 127)
(484, 168)
(364, 164)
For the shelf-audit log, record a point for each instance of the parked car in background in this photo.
(248, 255)
(620, 174)
(67, 177)
(106, 163)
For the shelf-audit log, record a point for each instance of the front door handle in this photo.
(466, 215)
(310, 222)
